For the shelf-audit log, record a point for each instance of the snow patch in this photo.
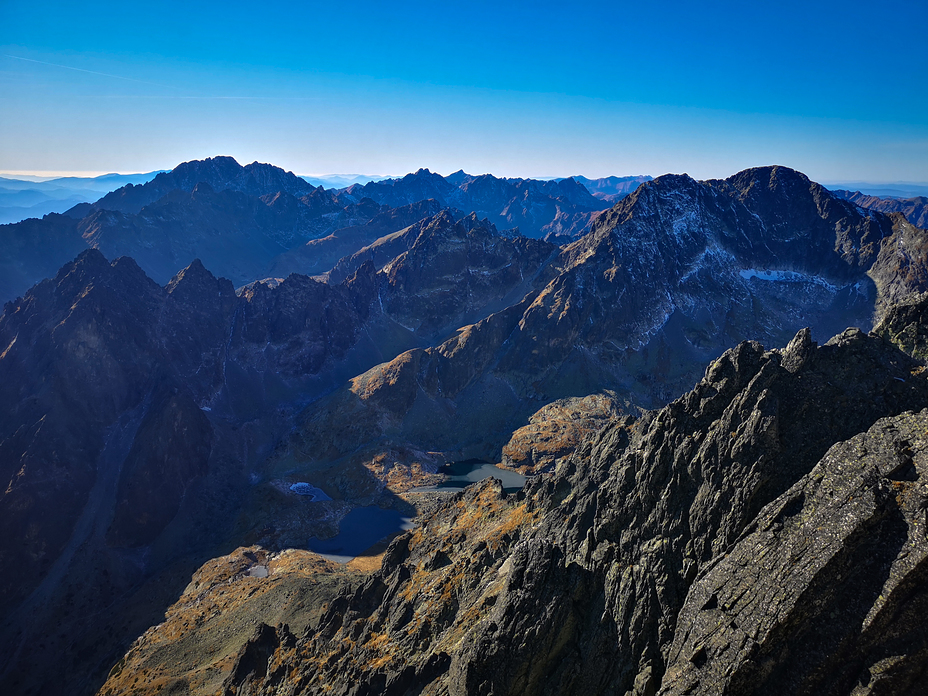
(786, 277)
(303, 488)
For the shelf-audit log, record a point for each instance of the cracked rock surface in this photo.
(754, 536)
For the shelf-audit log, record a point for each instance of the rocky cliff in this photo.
(665, 281)
(761, 534)
(134, 416)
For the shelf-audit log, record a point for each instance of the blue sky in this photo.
(837, 90)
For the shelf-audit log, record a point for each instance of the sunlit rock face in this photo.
(668, 279)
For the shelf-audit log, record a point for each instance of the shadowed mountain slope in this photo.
(237, 219)
(611, 188)
(134, 416)
(251, 222)
(319, 255)
(665, 281)
(220, 173)
(537, 208)
(635, 567)
(140, 415)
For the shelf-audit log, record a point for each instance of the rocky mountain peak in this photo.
(220, 173)
(771, 177)
(203, 188)
(220, 168)
(457, 178)
(196, 279)
(90, 260)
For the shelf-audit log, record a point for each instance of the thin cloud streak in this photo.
(91, 72)
(180, 96)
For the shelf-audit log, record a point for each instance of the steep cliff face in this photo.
(899, 269)
(825, 591)
(906, 325)
(134, 415)
(669, 278)
(453, 274)
(612, 574)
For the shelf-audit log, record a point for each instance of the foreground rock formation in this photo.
(764, 533)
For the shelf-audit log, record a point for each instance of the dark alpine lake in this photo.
(365, 526)
(359, 530)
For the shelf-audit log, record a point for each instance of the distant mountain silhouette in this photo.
(915, 209)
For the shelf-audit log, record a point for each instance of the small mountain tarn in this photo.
(461, 474)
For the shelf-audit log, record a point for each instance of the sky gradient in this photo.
(542, 89)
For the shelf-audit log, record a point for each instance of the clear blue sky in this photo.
(837, 90)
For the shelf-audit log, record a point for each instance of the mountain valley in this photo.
(203, 372)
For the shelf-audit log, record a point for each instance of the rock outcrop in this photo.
(201, 642)
(636, 566)
(555, 431)
(906, 326)
(826, 589)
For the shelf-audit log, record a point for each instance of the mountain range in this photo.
(250, 222)
(160, 420)
(21, 198)
(915, 209)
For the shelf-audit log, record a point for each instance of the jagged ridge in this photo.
(576, 585)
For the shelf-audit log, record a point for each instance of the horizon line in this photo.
(90, 174)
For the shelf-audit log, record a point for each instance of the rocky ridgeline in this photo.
(563, 208)
(257, 221)
(915, 209)
(152, 427)
(665, 281)
(138, 413)
(764, 533)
